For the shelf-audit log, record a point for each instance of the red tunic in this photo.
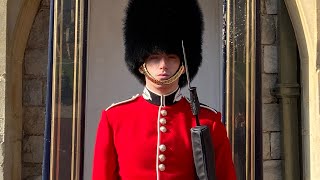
(138, 140)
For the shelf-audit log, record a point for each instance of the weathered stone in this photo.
(1, 138)
(270, 59)
(33, 149)
(2, 99)
(30, 170)
(2, 123)
(266, 146)
(32, 92)
(269, 82)
(272, 170)
(271, 6)
(33, 120)
(263, 7)
(268, 29)
(44, 91)
(2, 172)
(45, 3)
(36, 61)
(39, 33)
(270, 117)
(3, 36)
(34, 178)
(275, 145)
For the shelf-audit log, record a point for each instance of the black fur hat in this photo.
(159, 26)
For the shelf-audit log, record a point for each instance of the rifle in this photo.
(202, 147)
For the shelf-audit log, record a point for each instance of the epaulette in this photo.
(204, 106)
(208, 107)
(122, 102)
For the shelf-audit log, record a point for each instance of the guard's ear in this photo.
(184, 69)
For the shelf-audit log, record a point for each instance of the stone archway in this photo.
(24, 11)
(303, 14)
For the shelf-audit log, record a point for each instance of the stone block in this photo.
(2, 63)
(270, 59)
(275, 142)
(32, 92)
(2, 153)
(36, 61)
(44, 91)
(32, 149)
(2, 123)
(268, 29)
(39, 33)
(266, 146)
(272, 170)
(34, 178)
(271, 6)
(45, 4)
(2, 173)
(33, 120)
(269, 82)
(31, 170)
(2, 98)
(270, 117)
(1, 138)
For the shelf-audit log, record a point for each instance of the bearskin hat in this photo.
(159, 26)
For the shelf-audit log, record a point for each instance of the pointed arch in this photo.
(304, 15)
(13, 84)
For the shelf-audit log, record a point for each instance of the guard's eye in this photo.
(154, 57)
(173, 57)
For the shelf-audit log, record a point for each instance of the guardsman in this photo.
(147, 137)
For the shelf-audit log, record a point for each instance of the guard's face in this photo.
(162, 66)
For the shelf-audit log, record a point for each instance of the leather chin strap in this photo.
(143, 70)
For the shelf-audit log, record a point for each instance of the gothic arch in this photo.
(14, 61)
(303, 15)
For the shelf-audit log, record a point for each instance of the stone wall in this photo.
(3, 47)
(34, 94)
(270, 106)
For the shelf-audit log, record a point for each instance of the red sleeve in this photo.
(223, 158)
(105, 157)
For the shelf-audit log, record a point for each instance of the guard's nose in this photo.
(163, 63)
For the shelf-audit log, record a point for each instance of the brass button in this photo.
(163, 112)
(162, 167)
(162, 148)
(163, 121)
(162, 157)
(163, 129)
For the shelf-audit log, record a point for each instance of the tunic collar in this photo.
(162, 100)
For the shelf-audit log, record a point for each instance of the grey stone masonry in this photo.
(33, 149)
(36, 61)
(2, 99)
(268, 29)
(39, 34)
(33, 123)
(270, 117)
(266, 146)
(275, 145)
(34, 92)
(272, 170)
(269, 6)
(45, 3)
(270, 107)
(269, 82)
(31, 171)
(270, 59)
